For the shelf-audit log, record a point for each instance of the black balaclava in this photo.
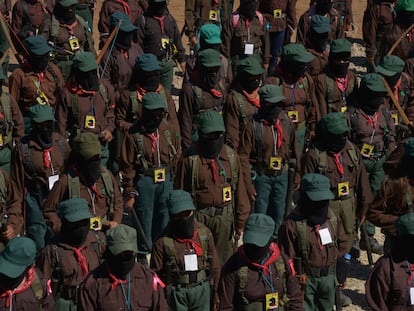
(148, 80)
(392, 80)
(204, 46)
(333, 143)
(209, 77)
(339, 64)
(157, 8)
(256, 253)
(67, 15)
(74, 233)
(370, 101)
(294, 70)
(323, 7)
(42, 134)
(91, 169)
(248, 8)
(8, 283)
(120, 265)
(405, 18)
(400, 251)
(210, 147)
(408, 168)
(269, 112)
(319, 41)
(316, 212)
(183, 227)
(88, 80)
(248, 82)
(150, 120)
(124, 39)
(39, 62)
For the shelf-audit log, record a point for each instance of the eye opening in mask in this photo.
(125, 255)
(211, 136)
(211, 70)
(158, 113)
(43, 125)
(182, 215)
(154, 73)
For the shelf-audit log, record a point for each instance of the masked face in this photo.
(210, 75)
(65, 14)
(91, 169)
(121, 264)
(74, 233)
(88, 80)
(150, 81)
(182, 225)
(211, 144)
(294, 70)
(393, 80)
(339, 64)
(42, 133)
(249, 83)
(157, 8)
(315, 211)
(335, 143)
(248, 8)
(8, 283)
(39, 62)
(124, 40)
(319, 41)
(151, 119)
(256, 253)
(323, 7)
(372, 104)
(269, 112)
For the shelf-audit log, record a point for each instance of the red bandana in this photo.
(279, 131)
(216, 93)
(275, 253)
(46, 157)
(372, 120)
(81, 259)
(125, 6)
(27, 283)
(193, 243)
(78, 90)
(114, 279)
(253, 98)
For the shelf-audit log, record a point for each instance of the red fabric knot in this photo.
(40, 77)
(214, 169)
(81, 259)
(396, 87)
(46, 157)
(125, 7)
(141, 91)
(193, 243)
(372, 120)
(161, 21)
(337, 159)
(77, 90)
(114, 279)
(342, 83)
(20, 289)
(253, 97)
(213, 91)
(154, 140)
(274, 255)
(70, 27)
(410, 277)
(279, 131)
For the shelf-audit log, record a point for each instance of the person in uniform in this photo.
(298, 89)
(120, 282)
(390, 284)
(210, 171)
(5, 8)
(337, 87)
(315, 235)
(242, 100)
(149, 154)
(37, 81)
(76, 251)
(86, 178)
(185, 258)
(204, 91)
(268, 144)
(281, 18)
(22, 285)
(372, 131)
(344, 9)
(70, 35)
(258, 276)
(245, 34)
(158, 34)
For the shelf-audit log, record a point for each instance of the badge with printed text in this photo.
(95, 223)
(294, 116)
(277, 13)
(1, 140)
(159, 175)
(165, 41)
(90, 122)
(272, 301)
(343, 188)
(227, 194)
(248, 49)
(213, 15)
(344, 109)
(275, 163)
(394, 116)
(74, 43)
(367, 150)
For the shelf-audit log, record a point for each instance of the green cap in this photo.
(210, 121)
(87, 145)
(20, 253)
(250, 65)
(121, 238)
(294, 52)
(124, 20)
(41, 113)
(74, 210)
(405, 224)
(390, 66)
(210, 33)
(271, 93)
(341, 46)
(335, 123)
(258, 230)
(147, 62)
(320, 24)
(373, 82)
(409, 147)
(37, 45)
(405, 5)
(152, 101)
(180, 201)
(317, 187)
(209, 58)
(85, 61)
(66, 3)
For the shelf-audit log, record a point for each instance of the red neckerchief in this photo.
(216, 93)
(342, 83)
(125, 6)
(81, 259)
(70, 27)
(27, 67)
(410, 267)
(337, 160)
(124, 52)
(27, 283)
(279, 131)
(141, 91)
(372, 120)
(317, 227)
(154, 140)
(212, 165)
(253, 97)
(161, 21)
(46, 157)
(396, 87)
(40, 77)
(114, 279)
(192, 243)
(275, 253)
(76, 171)
(77, 90)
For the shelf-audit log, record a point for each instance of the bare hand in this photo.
(9, 233)
(362, 220)
(129, 204)
(265, 66)
(182, 65)
(106, 135)
(193, 40)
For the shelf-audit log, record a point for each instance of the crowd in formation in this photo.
(115, 198)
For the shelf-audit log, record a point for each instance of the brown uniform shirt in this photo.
(279, 14)
(160, 259)
(131, 168)
(317, 257)
(248, 150)
(12, 204)
(236, 36)
(331, 99)
(98, 202)
(68, 260)
(16, 124)
(26, 86)
(318, 64)
(87, 105)
(358, 179)
(96, 292)
(209, 192)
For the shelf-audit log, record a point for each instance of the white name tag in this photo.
(52, 179)
(190, 262)
(325, 235)
(248, 49)
(411, 295)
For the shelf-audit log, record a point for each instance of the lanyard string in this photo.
(248, 30)
(275, 139)
(127, 299)
(268, 281)
(157, 143)
(51, 163)
(92, 196)
(222, 170)
(292, 100)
